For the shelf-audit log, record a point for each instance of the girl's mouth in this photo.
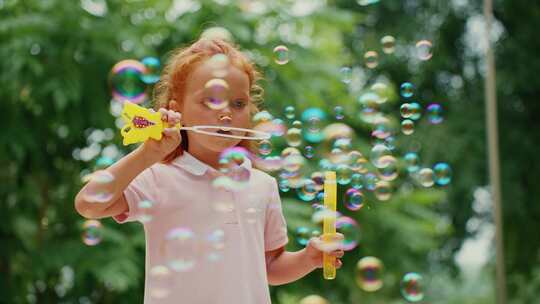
(224, 131)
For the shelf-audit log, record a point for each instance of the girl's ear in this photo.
(174, 105)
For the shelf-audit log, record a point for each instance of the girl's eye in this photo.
(238, 104)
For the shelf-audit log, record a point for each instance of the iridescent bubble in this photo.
(377, 152)
(265, 147)
(294, 137)
(344, 144)
(343, 174)
(405, 110)
(152, 70)
(262, 117)
(354, 199)
(103, 162)
(382, 128)
(388, 44)
(371, 59)
(389, 171)
(302, 234)
(281, 54)
(250, 215)
(424, 49)
(313, 299)
(407, 127)
(162, 282)
(357, 181)
(434, 113)
(101, 188)
(146, 210)
(370, 181)
(366, 2)
(313, 120)
(293, 163)
(406, 89)
(92, 232)
(337, 130)
(412, 287)
(381, 89)
(416, 110)
(309, 152)
(383, 190)
(297, 124)
(180, 249)
(412, 162)
(357, 162)
(350, 230)
(338, 156)
(443, 174)
(220, 64)
(308, 191)
(318, 178)
(276, 127)
(284, 185)
(289, 112)
(426, 177)
(346, 74)
(268, 163)
(126, 81)
(338, 112)
(369, 272)
(216, 92)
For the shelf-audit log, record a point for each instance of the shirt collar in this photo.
(196, 167)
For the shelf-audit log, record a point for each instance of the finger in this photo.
(338, 253)
(164, 115)
(338, 263)
(171, 132)
(171, 118)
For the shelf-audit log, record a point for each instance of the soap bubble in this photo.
(412, 287)
(216, 92)
(434, 113)
(180, 249)
(412, 162)
(424, 49)
(426, 177)
(101, 188)
(303, 234)
(350, 230)
(443, 174)
(406, 89)
(407, 127)
(369, 274)
(152, 70)
(346, 74)
(354, 199)
(265, 147)
(281, 54)
(126, 81)
(289, 112)
(92, 232)
(338, 112)
(372, 59)
(388, 44)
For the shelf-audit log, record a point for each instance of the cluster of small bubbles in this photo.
(339, 112)
(412, 162)
(265, 147)
(313, 120)
(92, 232)
(443, 174)
(308, 191)
(383, 190)
(388, 44)
(371, 59)
(216, 92)
(354, 199)
(434, 113)
(406, 90)
(412, 287)
(126, 80)
(407, 127)
(309, 152)
(343, 174)
(357, 181)
(146, 210)
(152, 70)
(346, 74)
(350, 230)
(219, 63)
(289, 112)
(369, 273)
(101, 187)
(426, 177)
(180, 249)
(424, 49)
(302, 234)
(235, 175)
(281, 54)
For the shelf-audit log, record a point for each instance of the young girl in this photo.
(195, 252)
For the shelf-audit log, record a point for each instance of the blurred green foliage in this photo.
(56, 56)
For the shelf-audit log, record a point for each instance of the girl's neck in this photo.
(210, 158)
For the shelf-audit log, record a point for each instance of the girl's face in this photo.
(195, 110)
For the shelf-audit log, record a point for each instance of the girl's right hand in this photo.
(157, 150)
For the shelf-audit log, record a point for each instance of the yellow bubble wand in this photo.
(329, 223)
(141, 124)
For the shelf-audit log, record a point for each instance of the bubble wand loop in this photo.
(329, 223)
(142, 124)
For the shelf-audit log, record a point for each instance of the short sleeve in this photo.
(142, 188)
(275, 230)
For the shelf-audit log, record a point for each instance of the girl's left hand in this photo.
(316, 247)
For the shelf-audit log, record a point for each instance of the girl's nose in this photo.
(225, 118)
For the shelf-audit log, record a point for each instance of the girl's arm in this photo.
(285, 267)
(125, 170)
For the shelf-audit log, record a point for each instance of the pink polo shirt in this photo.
(205, 244)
